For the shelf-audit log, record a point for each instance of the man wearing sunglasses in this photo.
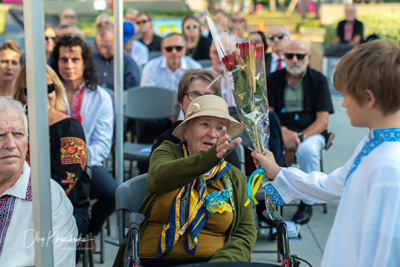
(277, 38)
(69, 17)
(165, 71)
(145, 28)
(301, 98)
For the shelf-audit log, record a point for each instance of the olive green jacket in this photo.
(169, 171)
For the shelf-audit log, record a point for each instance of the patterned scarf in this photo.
(188, 212)
(77, 101)
(378, 136)
(7, 208)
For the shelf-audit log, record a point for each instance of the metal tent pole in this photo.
(118, 98)
(39, 127)
(118, 91)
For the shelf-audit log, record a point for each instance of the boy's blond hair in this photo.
(375, 66)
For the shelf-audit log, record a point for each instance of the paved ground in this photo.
(315, 233)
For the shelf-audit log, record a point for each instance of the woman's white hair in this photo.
(8, 104)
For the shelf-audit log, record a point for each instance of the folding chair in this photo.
(239, 150)
(205, 63)
(128, 198)
(154, 54)
(147, 102)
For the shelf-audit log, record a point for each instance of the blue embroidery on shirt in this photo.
(270, 189)
(378, 136)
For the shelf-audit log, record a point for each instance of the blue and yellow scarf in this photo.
(188, 212)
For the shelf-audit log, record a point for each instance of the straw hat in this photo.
(208, 105)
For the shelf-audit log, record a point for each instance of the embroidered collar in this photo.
(22, 188)
(376, 137)
(385, 134)
(7, 202)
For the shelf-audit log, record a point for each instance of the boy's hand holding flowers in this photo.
(267, 161)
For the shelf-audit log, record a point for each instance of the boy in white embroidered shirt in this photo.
(367, 188)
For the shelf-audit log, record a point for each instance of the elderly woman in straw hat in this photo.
(194, 207)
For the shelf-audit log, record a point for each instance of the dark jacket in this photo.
(316, 97)
(105, 71)
(268, 59)
(202, 49)
(358, 29)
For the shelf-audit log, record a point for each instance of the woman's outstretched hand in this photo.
(223, 144)
(267, 162)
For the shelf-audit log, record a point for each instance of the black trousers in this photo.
(102, 188)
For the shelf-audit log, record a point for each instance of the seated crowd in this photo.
(80, 78)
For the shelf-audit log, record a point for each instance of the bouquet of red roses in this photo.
(243, 64)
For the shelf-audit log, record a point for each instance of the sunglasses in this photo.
(192, 26)
(170, 48)
(48, 38)
(64, 26)
(298, 56)
(238, 20)
(50, 89)
(279, 36)
(141, 22)
(103, 23)
(69, 16)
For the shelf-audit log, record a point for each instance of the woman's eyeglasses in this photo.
(48, 38)
(50, 89)
(170, 48)
(188, 27)
(298, 56)
(141, 22)
(278, 35)
(193, 95)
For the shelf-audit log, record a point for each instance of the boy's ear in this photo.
(370, 99)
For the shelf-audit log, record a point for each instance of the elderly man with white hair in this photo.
(277, 38)
(350, 30)
(301, 98)
(18, 236)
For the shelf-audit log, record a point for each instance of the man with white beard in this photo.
(300, 97)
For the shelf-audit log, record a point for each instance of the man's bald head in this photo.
(297, 56)
(350, 12)
(69, 15)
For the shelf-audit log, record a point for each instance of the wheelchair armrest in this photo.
(126, 219)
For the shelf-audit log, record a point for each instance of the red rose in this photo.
(71, 150)
(244, 49)
(230, 60)
(259, 52)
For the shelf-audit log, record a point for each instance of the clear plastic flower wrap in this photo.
(244, 68)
